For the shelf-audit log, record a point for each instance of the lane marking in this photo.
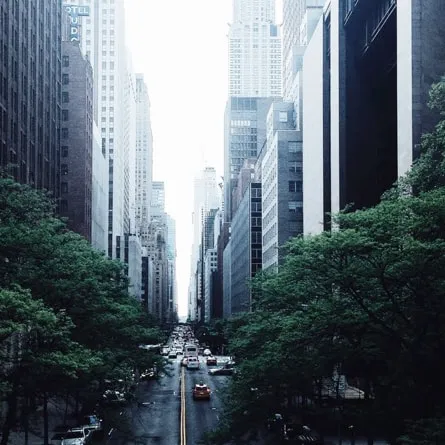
(183, 416)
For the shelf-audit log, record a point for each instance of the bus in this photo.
(190, 350)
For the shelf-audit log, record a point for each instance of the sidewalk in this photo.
(358, 441)
(56, 414)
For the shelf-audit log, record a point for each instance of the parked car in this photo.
(184, 361)
(207, 352)
(148, 374)
(76, 436)
(298, 434)
(172, 354)
(113, 397)
(201, 392)
(165, 351)
(226, 369)
(211, 361)
(57, 438)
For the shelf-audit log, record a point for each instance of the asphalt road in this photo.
(155, 416)
(201, 415)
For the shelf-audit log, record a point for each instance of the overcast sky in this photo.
(181, 48)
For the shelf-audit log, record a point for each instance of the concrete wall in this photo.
(313, 134)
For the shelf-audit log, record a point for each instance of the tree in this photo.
(366, 300)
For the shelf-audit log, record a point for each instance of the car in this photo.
(227, 369)
(165, 351)
(211, 361)
(75, 436)
(179, 351)
(172, 354)
(192, 363)
(201, 392)
(184, 361)
(113, 397)
(57, 438)
(298, 434)
(207, 352)
(148, 374)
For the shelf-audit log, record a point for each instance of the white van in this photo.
(192, 363)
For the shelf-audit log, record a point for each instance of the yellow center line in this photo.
(183, 425)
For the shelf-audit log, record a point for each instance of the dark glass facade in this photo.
(30, 91)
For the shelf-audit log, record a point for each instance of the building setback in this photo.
(30, 92)
(77, 140)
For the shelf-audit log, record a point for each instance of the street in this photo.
(159, 415)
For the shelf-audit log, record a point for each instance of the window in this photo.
(65, 79)
(256, 221)
(66, 61)
(295, 166)
(295, 186)
(65, 115)
(64, 151)
(65, 97)
(65, 133)
(294, 147)
(64, 205)
(283, 116)
(295, 206)
(64, 187)
(64, 169)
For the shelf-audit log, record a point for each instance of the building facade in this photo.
(378, 61)
(254, 50)
(77, 139)
(246, 255)
(144, 159)
(282, 184)
(206, 197)
(30, 92)
(244, 136)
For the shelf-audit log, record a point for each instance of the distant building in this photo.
(254, 50)
(227, 279)
(246, 255)
(206, 197)
(244, 137)
(144, 159)
(77, 140)
(282, 184)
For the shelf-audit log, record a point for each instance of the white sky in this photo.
(181, 48)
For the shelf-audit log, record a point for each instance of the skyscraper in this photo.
(254, 50)
(144, 158)
(206, 197)
(30, 91)
(102, 37)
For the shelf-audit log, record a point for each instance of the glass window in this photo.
(65, 97)
(66, 61)
(295, 186)
(65, 115)
(65, 79)
(294, 147)
(64, 151)
(64, 169)
(283, 116)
